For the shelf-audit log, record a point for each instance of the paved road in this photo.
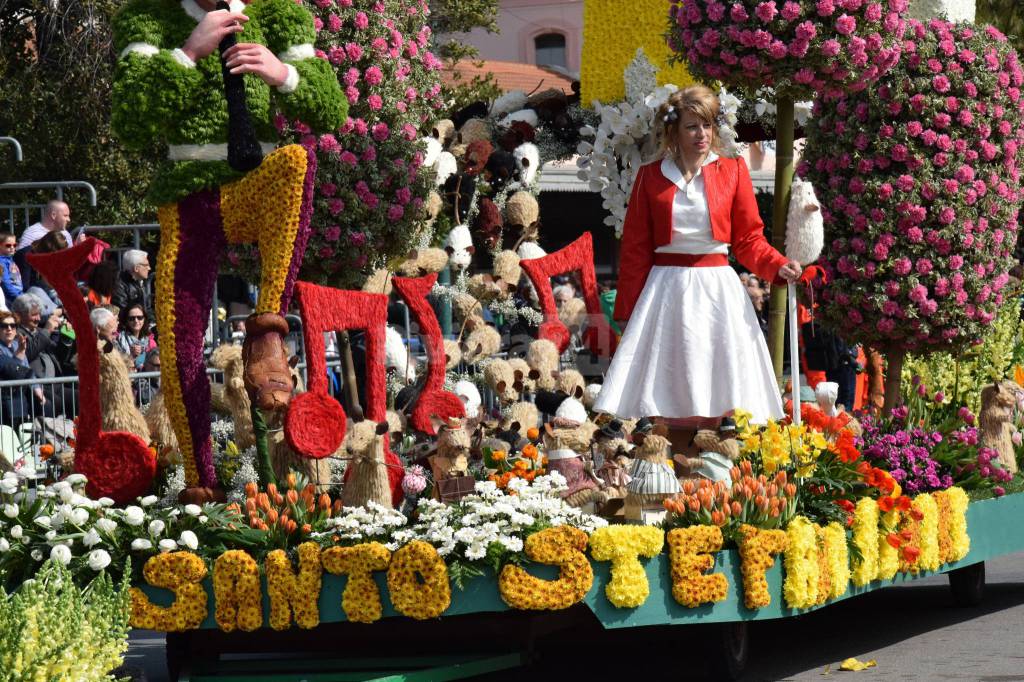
(913, 631)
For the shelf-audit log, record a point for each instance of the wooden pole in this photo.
(783, 185)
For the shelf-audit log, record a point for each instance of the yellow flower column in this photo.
(612, 32)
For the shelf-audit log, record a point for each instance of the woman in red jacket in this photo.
(692, 347)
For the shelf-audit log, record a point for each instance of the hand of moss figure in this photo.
(257, 59)
(208, 33)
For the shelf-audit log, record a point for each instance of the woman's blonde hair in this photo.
(699, 100)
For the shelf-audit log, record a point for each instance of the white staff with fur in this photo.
(805, 238)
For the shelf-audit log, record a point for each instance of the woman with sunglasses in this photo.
(15, 403)
(135, 338)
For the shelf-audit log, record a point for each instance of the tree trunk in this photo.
(783, 187)
(893, 373)
(876, 380)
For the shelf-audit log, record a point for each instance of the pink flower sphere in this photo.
(936, 213)
(828, 46)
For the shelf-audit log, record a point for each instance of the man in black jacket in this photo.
(131, 285)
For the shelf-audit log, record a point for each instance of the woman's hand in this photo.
(257, 59)
(791, 271)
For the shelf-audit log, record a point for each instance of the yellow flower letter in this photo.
(361, 598)
(294, 593)
(236, 589)
(865, 539)
(833, 546)
(563, 547)
(623, 545)
(182, 573)
(758, 549)
(689, 550)
(420, 600)
(800, 588)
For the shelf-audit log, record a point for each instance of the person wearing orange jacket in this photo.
(692, 350)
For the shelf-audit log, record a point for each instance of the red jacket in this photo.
(734, 220)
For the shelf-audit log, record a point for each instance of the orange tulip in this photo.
(271, 489)
(790, 489)
(688, 487)
(747, 468)
(530, 451)
(290, 480)
(886, 504)
(910, 554)
(251, 489)
(272, 516)
(336, 507)
(893, 539)
(325, 502)
(780, 478)
(737, 509)
(734, 474)
(694, 505)
(292, 496)
(291, 527)
(263, 502)
(306, 528)
(533, 433)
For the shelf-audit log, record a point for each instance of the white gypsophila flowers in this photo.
(98, 559)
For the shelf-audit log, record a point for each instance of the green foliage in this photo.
(960, 378)
(50, 629)
(462, 16)
(56, 71)
(1007, 16)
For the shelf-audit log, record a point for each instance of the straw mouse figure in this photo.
(367, 468)
(995, 421)
(611, 457)
(567, 446)
(449, 464)
(718, 451)
(652, 480)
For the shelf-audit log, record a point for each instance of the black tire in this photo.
(177, 648)
(729, 650)
(968, 585)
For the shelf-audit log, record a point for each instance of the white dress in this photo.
(693, 346)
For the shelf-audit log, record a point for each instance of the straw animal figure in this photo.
(451, 458)
(233, 396)
(652, 479)
(368, 477)
(995, 421)
(118, 401)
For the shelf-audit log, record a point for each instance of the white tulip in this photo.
(98, 559)
(156, 526)
(188, 539)
(76, 479)
(16, 532)
(8, 486)
(168, 545)
(105, 502)
(141, 543)
(10, 510)
(4, 545)
(193, 509)
(66, 494)
(134, 516)
(204, 518)
(43, 521)
(149, 500)
(91, 538)
(106, 525)
(62, 554)
(50, 534)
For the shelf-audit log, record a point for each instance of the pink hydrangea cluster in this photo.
(369, 188)
(797, 46)
(920, 185)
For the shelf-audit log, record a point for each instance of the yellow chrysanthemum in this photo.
(612, 32)
(865, 539)
(361, 598)
(800, 587)
(182, 573)
(758, 549)
(563, 547)
(623, 545)
(428, 596)
(236, 591)
(689, 553)
(294, 593)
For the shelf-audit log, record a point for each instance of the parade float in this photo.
(475, 488)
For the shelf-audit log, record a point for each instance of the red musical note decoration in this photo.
(315, 423)
(433, 400)
(578, 255)
(117, 464)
